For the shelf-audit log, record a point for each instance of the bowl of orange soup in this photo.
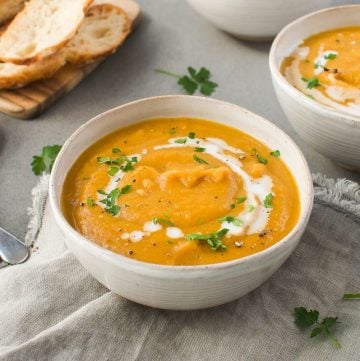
(314, 63)
(181, 202)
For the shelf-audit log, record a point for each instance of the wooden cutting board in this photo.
(32, 100)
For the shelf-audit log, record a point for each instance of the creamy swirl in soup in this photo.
(181, 191)
(326, 67)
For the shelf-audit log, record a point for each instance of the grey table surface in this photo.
(170, 36)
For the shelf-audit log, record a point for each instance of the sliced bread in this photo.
(104, 28)
(9, 8)
(103, 31)
(41, 29)
(17, 76)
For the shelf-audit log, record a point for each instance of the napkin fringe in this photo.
(341, 193)
(39, 196)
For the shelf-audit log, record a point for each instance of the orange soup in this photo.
(181, 191)
(326, 67)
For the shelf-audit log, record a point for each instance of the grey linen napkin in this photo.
(52, 309)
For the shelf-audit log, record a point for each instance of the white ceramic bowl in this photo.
(331, 132)
(255, 19)
(180, 287)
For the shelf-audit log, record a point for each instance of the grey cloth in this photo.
(52, 309)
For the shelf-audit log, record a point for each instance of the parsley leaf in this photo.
(241, 199)
(194, 80)
(275, 153)
(113, 170)
(251, 208)
(305, 319)
(180, 141)
(116, 150)
(260, 159)
(330, 56)
(212, 239)
(157, 220)
(230, 219)
(110, 201)
(199, 149)
(268, 200)
(312, 82)
(90, 202)
(191, 135)
(44, 162)
(199, 160)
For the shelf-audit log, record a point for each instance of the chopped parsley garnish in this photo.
(268, 200)
(194, 80)
(90, 202)
(241, 199)
(230, 219)
(172, 131)
(260, 159)
(111, 198)
(312, 82)
(157, 220)
(116, 150)
(330, 56)
(275, 153)
(351, 296)
(44, 162)
(199, 149)
(180, 141)
(199, 160)
(251, 208)
(305, 319)
(124, 162)
(128, 164)
(191, 135)
(214, 240)
(113, 170)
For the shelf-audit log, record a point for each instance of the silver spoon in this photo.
(12, 250)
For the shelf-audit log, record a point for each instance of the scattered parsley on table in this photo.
(44, 162)
(306, 319)
(194, 80)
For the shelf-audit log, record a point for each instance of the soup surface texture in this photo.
(181, 191)
(326, 67)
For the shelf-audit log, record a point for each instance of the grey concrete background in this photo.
(171, 36)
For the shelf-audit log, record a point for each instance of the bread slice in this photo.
(105, 28)
(9, 8)
(41, 29)
(87, 46)
(17, 76)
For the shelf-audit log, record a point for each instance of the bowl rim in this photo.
(294, 92)
(305, 211)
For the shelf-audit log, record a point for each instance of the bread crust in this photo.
(45, 53)
(74, 53)
(9, 8)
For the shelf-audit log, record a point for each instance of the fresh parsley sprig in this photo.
(165, 221)
(194, 80)
(306, 319)
(214, 240)
(110, 201)
(44, 162)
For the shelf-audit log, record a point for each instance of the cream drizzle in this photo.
(334, 92)
(253, 221)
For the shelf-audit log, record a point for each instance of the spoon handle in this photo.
(12, 250)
